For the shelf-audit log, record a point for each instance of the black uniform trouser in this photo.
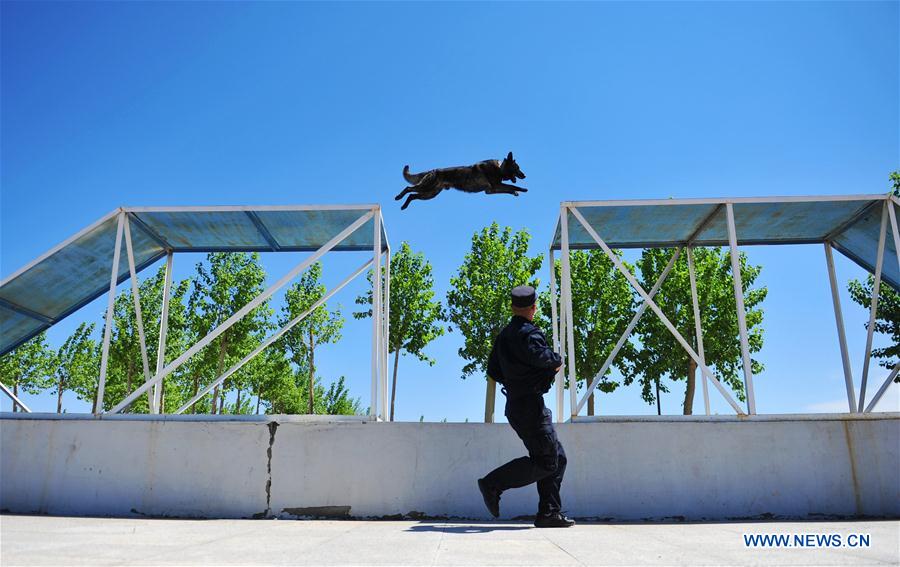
(546, 460)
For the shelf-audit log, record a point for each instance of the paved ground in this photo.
(45, 540)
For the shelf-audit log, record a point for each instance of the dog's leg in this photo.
(514, 188)
(419, 197)
(404, 192)
(424, 186)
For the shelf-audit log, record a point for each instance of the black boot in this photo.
(491, 497)
(554, 520)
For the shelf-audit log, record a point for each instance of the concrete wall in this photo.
(287, 466)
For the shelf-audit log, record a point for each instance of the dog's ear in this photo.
(509, 156)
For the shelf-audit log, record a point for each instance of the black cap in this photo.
(523, 296)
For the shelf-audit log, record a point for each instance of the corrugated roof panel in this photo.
(16, 328)
(75, 273)
(859, 242)
(660, 223)
(78, 271)
(634, 226)
(308, 230)
(201, 231)
(781, 223)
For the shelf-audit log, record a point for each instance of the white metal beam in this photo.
(883, 388)
(637, 287)
(253, 304)
(139, 319)
(163, 332)
(376, 318)
(107, 331)
(698, 326)
(385, 331)
(741, 312)
(554, 324)
(567, 300)
(876, 289)
(842, 337)
(15, 400)
(894, 229)
(628, 330)
(291, 324)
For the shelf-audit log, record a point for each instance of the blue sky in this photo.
(109, 104)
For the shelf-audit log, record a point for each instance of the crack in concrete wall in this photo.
(273, 427)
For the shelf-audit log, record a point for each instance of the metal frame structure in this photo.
(124, 218)
(562, 326)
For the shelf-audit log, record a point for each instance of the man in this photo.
(523, 363)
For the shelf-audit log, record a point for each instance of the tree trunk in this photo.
(196, 389)
(16, 394)
(312, 373)
(658, 406)
(394, 382)
(222, 402)
(129, 373)
(94, 404)
(237, 404)
(220, 365)
(257, 403)
(490, 396)
(59, 392)
(591, 404)
(691, 385)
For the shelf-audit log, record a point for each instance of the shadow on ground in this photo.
(468, 528)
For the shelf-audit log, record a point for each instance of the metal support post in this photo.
(138, 317)
(163, 332)
(842, 337)
(385, 330)
(698, 325)
(883, 388)
(376, 316)
(876, 288)
(896, 232)
(250, 306)
(665, 321)
(15, 400)
(554, 324)
(567, 300)
(741, 312)
(107, 330)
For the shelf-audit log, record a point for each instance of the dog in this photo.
(487, 176)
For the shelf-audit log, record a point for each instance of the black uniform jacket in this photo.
(522, 361)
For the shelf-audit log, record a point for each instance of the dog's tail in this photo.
(412, 178)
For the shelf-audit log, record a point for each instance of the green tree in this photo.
(77, 364)
(337, 401)
(478, 301)
(273, 380)
(28, 366)
(319, 327)
(415, 318)
(603, 304)
(887, 318)
(230, 281)
(661, 355)
(125, 368)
